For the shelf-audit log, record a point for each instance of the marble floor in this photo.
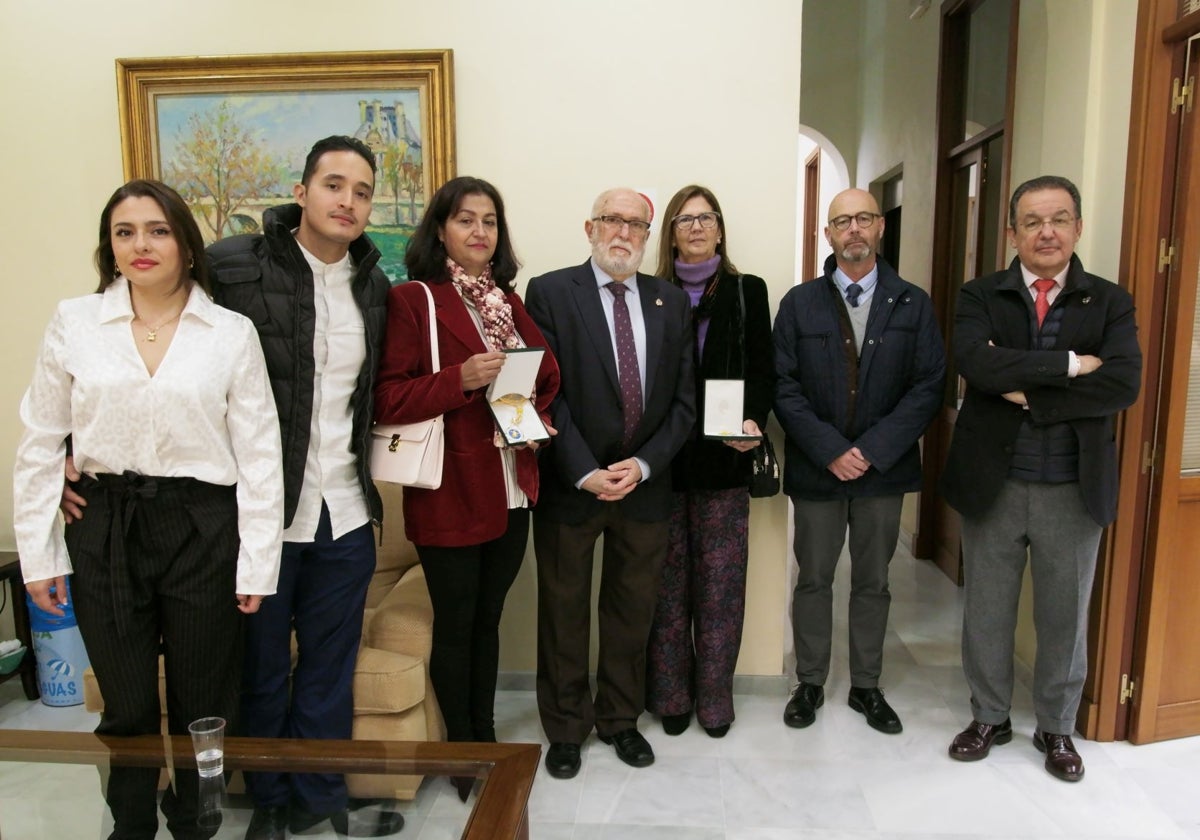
(837, 780)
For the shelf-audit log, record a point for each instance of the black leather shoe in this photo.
(801, 710)
(879, 714)
(977, 740)
(631, 747)
(352, 822)
(464, 785)
(676, 724)
(717, 731)
(1062, 761)
(562, 760)
(268, 823)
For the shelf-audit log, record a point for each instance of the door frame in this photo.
(1119, 599)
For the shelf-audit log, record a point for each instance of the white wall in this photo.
(555, 101)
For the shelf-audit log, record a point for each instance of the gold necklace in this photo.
(515, 401)
(152, 332)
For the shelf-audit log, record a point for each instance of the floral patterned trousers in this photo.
(697, 630)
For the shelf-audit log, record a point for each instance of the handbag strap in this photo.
(742, 325)
(433, 332)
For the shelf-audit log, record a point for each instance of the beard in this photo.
(856, 252)
(617, 265)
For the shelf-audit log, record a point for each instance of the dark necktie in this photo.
(627, 363)
(852, 293)
(1041, 305)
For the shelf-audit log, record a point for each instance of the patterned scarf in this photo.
(490, 303)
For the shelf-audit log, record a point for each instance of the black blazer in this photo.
(1098, 321)
(565, 305)
(734, 348)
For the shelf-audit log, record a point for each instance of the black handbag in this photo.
(764, 466)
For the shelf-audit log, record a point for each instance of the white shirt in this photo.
(207, 413)
(340, 351)
(633, 303)
(867, 285)
(1060, 280)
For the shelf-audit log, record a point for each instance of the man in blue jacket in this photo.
(861, 367)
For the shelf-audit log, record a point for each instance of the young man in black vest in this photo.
(311, 285)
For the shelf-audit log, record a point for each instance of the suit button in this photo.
(870, 341)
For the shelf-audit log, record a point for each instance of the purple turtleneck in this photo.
(693, 277)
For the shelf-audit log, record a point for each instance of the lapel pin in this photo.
(1086, 299)
(658, 301)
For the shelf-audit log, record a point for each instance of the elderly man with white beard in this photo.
(623, 341)
(860, 367)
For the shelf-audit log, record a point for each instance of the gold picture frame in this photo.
(230, 132)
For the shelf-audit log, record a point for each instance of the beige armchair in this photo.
(393, 699)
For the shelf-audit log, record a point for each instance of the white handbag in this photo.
(411, 453)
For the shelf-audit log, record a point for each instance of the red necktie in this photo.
(627, 363)
(1041, 305)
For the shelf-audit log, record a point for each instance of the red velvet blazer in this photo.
(471, 506)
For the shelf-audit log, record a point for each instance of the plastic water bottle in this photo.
(61, 656)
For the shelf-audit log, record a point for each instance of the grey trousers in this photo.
(1048, 524)
(874, 525)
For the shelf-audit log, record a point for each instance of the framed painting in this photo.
(230, 133)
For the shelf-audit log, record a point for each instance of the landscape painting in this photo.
(235, 146)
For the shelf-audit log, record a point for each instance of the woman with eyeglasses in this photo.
(697, 629)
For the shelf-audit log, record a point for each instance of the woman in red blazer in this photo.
(470, 533)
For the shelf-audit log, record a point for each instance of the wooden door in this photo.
(975, 208)
(1166, 658)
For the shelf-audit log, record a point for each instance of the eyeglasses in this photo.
(865, 220)
(708, 221)
(636, 226)
(1060, 224)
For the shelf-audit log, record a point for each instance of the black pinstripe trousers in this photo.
(155, 566)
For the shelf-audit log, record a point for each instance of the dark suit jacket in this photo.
(1098, 321)
(471, 505)
(587, 412)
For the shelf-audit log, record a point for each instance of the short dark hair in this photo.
(666, 236)
(1043, 182)
(183, 225)
(335, 143)
(425, 257)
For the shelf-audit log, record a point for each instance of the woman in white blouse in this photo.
(164, 398)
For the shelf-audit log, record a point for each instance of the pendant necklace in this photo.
(152, 332)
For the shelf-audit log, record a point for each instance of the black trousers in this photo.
(467, 586)
(155, 570)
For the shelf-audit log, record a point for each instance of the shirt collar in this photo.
(866, 284)
(1059, 279)
(116, 305)
(603, 278)
(342, 265)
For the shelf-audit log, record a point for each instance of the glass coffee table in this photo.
(50, 787)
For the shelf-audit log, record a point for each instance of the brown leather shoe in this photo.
(1062, 762)
(977, 740)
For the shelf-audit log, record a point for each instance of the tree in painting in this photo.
(219, 166)
(392, 170)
